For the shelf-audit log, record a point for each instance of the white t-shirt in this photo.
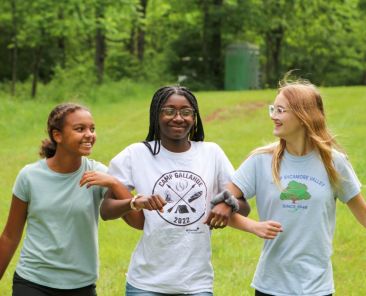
(297, 261)
(174, 253)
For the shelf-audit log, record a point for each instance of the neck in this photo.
(176, 146)
(299, 148)
(64, 163)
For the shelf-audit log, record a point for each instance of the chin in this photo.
(85, 153)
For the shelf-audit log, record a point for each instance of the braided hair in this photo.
(56, 120)
(158, 100)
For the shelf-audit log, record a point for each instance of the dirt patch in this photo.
(240, 110)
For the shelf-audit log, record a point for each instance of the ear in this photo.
(57, 136)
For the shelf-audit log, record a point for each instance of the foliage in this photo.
(185, 41)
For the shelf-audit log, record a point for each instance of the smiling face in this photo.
(174, 130)
(287, 125)
(78, 135)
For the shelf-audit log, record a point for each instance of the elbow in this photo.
(104, 217)
(244, 207)
(104, 213)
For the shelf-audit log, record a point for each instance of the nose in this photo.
(89, 133)
(178, 116)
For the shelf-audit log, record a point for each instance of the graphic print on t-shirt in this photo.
(295, 191)
(185, 193)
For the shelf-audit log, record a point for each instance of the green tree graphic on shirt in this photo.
(295, 191)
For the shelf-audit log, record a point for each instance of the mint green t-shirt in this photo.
(60, 248)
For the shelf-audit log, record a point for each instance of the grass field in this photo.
(238, 122)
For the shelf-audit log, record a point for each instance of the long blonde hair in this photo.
(305, 101)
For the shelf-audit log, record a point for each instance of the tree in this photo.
(295, 191)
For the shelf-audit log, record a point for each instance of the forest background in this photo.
(91, 42)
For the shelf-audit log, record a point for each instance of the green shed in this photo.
(241, 66)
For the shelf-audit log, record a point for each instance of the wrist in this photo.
(226, 197)
(132, 203)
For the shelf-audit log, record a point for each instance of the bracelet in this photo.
(132, 202)
(226, 197)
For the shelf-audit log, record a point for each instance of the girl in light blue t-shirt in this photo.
(296, 182)
(60, 250)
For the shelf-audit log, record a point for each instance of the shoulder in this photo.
(93, 165)
(207, 146)
(338, 156)
(136, 149)
(32, 167)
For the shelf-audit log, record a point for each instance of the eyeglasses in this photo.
(172, 112)
(273, 110)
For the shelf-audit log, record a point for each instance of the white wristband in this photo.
(132, 202)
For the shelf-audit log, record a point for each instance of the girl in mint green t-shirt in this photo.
(60, 249)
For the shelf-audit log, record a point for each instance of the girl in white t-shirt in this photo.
(297, 181)
(176, 166)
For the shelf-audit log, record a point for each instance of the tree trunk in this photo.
(205, 40)
(215, 48)
(61, 41)
(36, 64)
(14, 51)
(100, 43)
(141, 31)
(274, 40)
(131, 42)
(211, 42)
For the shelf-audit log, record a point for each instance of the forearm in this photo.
(358, 207)
(240, 222)
(7, 250)
(114, 208)
(264, 229)
(244, 207)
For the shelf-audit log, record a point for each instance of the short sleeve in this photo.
(21, 186)
(245, 177)
(224, 168)
(100, 167)
(120, 168)
(350, 184)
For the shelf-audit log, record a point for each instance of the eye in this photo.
(92, 129)
(186, 112)
(280, 110)
(79, 129)
(168, 111)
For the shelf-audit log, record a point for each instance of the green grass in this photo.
(238, 122)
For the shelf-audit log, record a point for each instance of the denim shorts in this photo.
(132, 291)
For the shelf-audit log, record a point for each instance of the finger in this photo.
(153, 203)
(221, 223)
(84, 181)
(162, 200)
(275, 224)
(147, 205)
(213, 222)
(158, 201)
(208, 219)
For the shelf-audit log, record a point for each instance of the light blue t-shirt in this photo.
(60, 248)
(297, 261)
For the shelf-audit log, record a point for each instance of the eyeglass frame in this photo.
(178, 111)
(273, 110)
